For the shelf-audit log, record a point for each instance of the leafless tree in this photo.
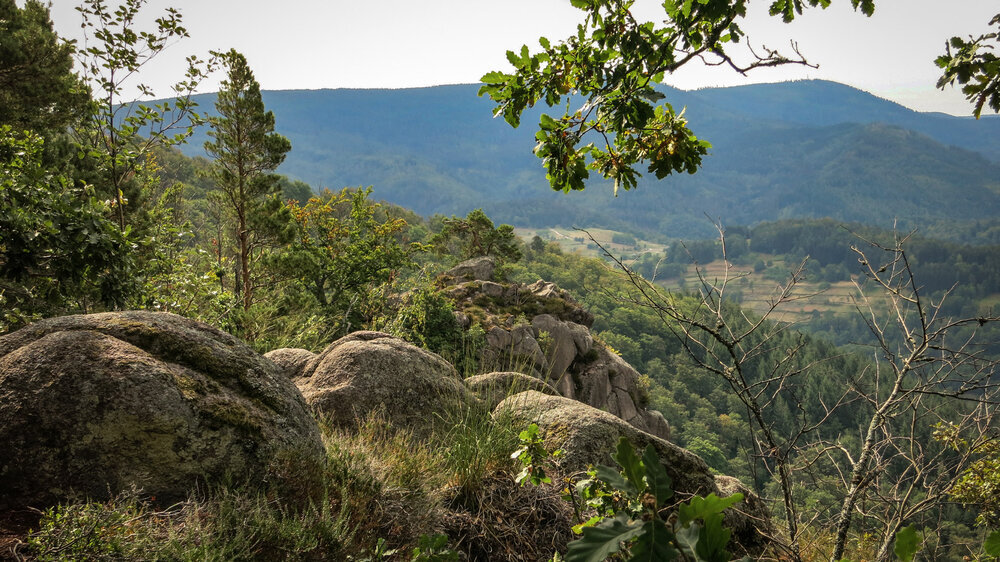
(887, 476)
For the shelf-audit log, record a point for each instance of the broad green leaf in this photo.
(612, 477)
(992, 544)
(654, 544)
(652, 95)
(687, 539)
(631, 466)
(658, 482)
(494, 77)
(548, 123)
(712, 540)
(700, 508)
(603, 540)
(907, 543)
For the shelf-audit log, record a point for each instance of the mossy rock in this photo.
(369, 372)
(97, 404)
(291, 360)
(589, 436)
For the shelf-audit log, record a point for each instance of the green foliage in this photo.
(533, 457)
(428, 320)
(430, 548)
(473, 445)
(295, 190)
(229, 526)
(434, 548)
(613, 63)
(979, 482)
(345, 256)
(638, 521)
(246, 150)
(907, 543)
(973, 64)
(476, 236)
(74, 532)
(58, 251)
(119, 131)
(991, 546)
(38, 89)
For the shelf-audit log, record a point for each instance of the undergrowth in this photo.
(380, 490)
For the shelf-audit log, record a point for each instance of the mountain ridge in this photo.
(439, 150)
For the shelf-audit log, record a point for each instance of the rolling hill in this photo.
(798, 149)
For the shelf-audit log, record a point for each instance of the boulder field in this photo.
(93, 405)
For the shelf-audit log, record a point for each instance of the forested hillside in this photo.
(964, 278)
(851, 156)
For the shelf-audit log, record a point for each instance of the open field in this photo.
(578, 242)
(756, 290)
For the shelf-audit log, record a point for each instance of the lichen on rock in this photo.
(95, 404)
(369, 372)
(588, 437)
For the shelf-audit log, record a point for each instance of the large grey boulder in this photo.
(589, 436)
(475, 269)
(515, 348)
(493, 388)
(366, 373)
(561, 346)
(608, 382)
(291, 360)
(96, 404)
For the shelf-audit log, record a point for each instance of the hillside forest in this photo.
(844, 371)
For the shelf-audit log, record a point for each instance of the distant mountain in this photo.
(799, 149)
(819, 103)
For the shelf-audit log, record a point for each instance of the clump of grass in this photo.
(474, 445)
(231, 525)
(387, 482)
(120, 528)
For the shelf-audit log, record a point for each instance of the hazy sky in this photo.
(311, 44)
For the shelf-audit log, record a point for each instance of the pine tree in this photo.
(246, 151)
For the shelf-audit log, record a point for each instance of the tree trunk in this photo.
(245, 264)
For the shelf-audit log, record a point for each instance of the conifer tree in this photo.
(246, 151)
(38, 89)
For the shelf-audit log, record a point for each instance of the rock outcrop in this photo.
(588, 436)
(370, 372)
(96, 404)
(481, 268)
(493, 388)
(538, 329)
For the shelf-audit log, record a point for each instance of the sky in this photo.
(314, 44)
